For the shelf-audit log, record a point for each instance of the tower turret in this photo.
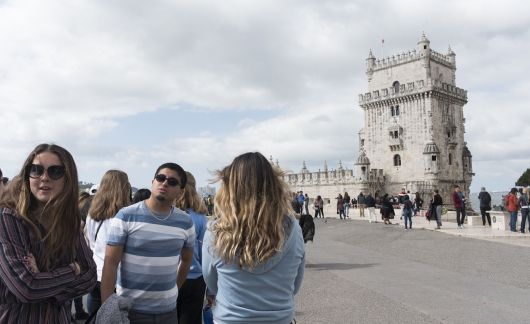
(362, 167)
(370, 63)
(424, 45)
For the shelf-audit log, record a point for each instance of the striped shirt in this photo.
(151, 254)
(44, 297)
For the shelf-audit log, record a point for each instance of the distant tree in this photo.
(524, 180)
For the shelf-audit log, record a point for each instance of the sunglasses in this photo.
(170, 181)
(55, 172)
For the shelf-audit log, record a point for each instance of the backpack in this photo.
(407, 204)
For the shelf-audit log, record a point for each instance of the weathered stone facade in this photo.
(413, 134)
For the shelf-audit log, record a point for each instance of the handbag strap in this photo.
(97, 231)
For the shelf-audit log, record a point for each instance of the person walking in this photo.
(361, 203)
(512, 206)
(191, 295)
(153, 242)
(340, 206)
(418, 204)
(436, 207)
(387, 210)
(370, 204)
(319, 207)
(113, 194)
(523, 205)
(306, 204)
(346, 202)
(485, 206)
(45, 260)
(407, 212)
(460, 206)
(253, 253)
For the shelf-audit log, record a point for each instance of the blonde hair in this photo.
(190, 199)
(113, 194)
(250, 207)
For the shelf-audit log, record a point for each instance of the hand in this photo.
(75, 268)
(210, 300)
(31, 263)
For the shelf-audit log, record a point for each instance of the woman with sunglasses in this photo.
(253, 253)
(44, 259)
(113, 194)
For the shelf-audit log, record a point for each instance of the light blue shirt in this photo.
(264, 294)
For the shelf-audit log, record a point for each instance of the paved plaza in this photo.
(358, 272)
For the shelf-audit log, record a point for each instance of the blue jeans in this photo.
(513, 221)
(346, 209)
(524, 215)
(460, 215)
(407, 216)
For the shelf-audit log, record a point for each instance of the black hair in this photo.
(178, 169)
(141, 195)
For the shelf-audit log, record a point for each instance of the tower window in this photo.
(450, 158)
(433, 158)
(394, 110)
(395, 85)
(397, 160)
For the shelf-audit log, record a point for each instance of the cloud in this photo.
(74, 72)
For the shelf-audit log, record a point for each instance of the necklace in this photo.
(160, 218)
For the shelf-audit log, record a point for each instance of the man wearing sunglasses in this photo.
(152, 241)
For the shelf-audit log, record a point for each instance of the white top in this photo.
(97, 246)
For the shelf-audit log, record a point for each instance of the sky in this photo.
(132, 84)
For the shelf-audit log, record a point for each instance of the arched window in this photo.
(395, 85)
(397, 160)
(396, 110)
(450, 158)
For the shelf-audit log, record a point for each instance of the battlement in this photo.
(410, 56)
(397, 59)
(410, 88)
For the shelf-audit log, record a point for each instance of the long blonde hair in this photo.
(113, 194)
(190, 199)
(250, 208)
(64, 230)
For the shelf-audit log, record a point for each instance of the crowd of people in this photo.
(149, 258)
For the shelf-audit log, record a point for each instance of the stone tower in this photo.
(414, 121)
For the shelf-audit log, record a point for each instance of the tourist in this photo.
(45, 261)
(418, 204)
(253, 254)
(113, 194)
(306, 204)
(141, 195)
(346, 201)
(340, 206)
(407, 212)
(523, 204)
(436, 208)
(370, 204)
(460, 206)
(485, 205)
(209, 205)
(300, 198)
(361, 203)
(512, 206)
(147, 260)
(319, 207)
(387, 210)
(191, 295)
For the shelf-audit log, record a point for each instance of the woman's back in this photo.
(249, 295)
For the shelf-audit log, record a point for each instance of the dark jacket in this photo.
(485, 199)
